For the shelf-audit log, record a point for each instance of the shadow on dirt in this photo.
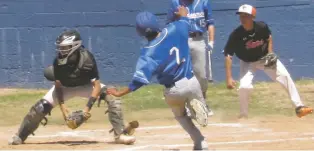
(70, 143)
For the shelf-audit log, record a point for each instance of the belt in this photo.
(195, 34)
(174, 83)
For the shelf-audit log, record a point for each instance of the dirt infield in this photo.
(275, 133)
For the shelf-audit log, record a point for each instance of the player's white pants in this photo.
(176, 97)
(69, 92)
(201, 62)
(279, 74)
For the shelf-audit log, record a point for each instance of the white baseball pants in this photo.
(279, 74)
(69, 92)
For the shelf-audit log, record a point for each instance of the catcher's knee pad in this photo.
(49, 73)
(115, 115)
(33, 118)
(103, 93)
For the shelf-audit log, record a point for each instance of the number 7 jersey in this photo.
(167, 57)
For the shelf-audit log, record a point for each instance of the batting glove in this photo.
(210, 46)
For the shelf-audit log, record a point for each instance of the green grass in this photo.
(267, 99)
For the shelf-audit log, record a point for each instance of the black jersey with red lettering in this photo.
(249, 46)
(81, 72)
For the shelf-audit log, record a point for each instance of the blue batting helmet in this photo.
(146, 22)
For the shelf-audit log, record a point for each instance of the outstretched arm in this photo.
(59, 94)
(229, 52)
(228, 66)
(120, 93)
(145, 68)
(93, 97)
(94, 76)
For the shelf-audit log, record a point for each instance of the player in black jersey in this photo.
(251, 42)
(74, 73)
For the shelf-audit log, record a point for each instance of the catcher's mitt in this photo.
(77, 118)
(270, 60)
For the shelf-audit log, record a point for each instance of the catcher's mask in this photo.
(67, 43)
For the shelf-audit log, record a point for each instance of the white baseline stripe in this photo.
(221, 143)
(178, 126)
(161, 127)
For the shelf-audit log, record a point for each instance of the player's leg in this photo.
(281, 75)
(176, 98)
(37, 114)
(246, 78)
(196, 102)
(33, 118)
(39, 110)
(208, 63)
(122, 134)
(198, 56)
(115, 115)
(199, 61)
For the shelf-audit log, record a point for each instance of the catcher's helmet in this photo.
(67, 43)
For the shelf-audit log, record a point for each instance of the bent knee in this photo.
(283, 74)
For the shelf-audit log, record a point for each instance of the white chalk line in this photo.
(241, 133)
(215, 134)
(220, 143)
(77, 133)
(178, 126)
(235, 125)
(91, 134)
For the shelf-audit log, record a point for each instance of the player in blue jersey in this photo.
(201, 37)
(167, 57)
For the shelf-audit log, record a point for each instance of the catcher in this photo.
(75, 74)
(252, 44)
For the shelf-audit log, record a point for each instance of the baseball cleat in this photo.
(303, 110)
(130, 129)
(15, 140)
(125, 139)
(200, 111)
(202, 146)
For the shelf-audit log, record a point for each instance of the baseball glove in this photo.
(77, 118)
(270, 60)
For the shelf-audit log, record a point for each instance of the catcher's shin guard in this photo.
(33, 118)
(115, 115)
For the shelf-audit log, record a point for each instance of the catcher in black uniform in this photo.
(75, 73)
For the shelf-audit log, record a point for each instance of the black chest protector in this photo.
(71, 76)
(85, 64)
